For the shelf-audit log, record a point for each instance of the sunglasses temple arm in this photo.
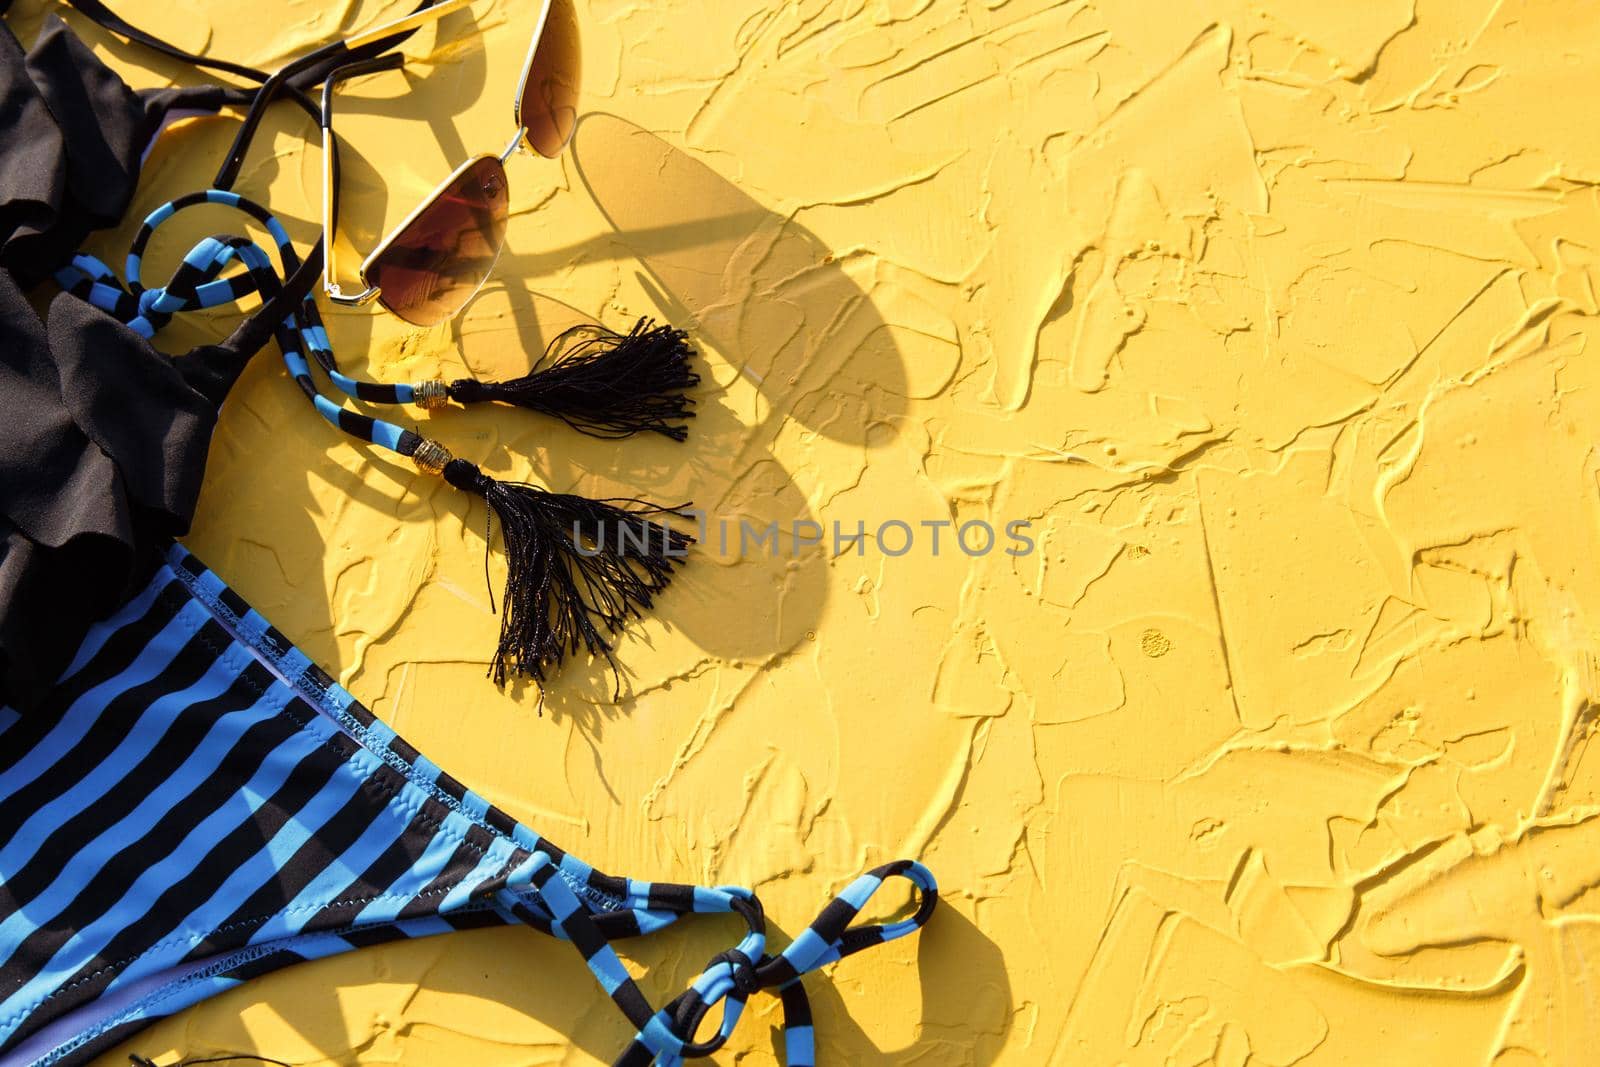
(330, 173)
(405, 23)
(311, 69)
(291, 79)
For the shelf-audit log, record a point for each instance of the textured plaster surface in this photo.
(1273, 318)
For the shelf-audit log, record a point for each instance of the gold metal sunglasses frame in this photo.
(519, 141)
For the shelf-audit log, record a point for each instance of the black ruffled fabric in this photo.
(103, 439)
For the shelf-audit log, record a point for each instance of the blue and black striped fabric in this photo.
(199, 282)
(201, 804)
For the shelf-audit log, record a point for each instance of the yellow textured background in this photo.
(1274, 318)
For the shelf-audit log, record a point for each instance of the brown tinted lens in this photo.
(434, 265)
(548, 107)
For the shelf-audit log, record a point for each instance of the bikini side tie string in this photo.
(667, 1037)
(578, 569)
(732, 976)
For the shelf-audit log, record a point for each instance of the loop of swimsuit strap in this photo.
(668, 1036)
(198, 283)
(732, 976)
(741, 968)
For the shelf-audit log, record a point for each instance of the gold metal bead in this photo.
(431, 457)
(431, 394)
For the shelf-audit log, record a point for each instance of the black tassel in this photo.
(604, 383)
(577, 569)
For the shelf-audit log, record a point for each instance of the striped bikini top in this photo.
(200, 804)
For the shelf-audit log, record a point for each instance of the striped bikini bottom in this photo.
(201, 804)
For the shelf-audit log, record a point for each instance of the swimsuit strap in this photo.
(668, 1036)
(600, 382)
(732, 976)
(198, 284)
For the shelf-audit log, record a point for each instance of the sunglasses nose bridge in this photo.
(517, 141)
(338, 296)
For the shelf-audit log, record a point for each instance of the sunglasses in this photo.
(432, 264)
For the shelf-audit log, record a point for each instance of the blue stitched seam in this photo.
(317, 696)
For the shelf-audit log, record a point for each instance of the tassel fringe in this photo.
(604, 383)
(577, 569)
